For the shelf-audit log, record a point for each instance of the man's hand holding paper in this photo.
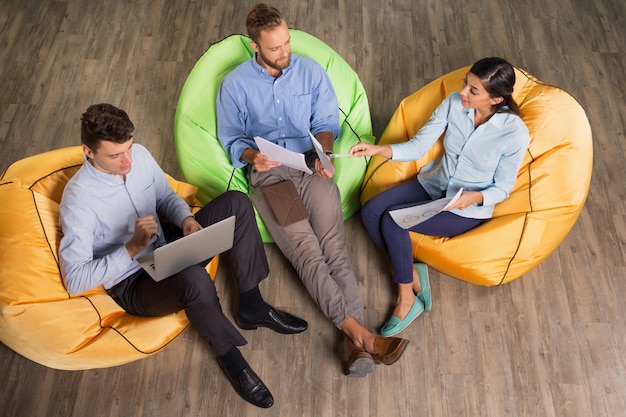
(324, 159)
(279, 154)
(263, 162)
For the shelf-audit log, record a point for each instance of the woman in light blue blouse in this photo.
(484, 145)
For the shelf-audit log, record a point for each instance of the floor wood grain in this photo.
(549, 344)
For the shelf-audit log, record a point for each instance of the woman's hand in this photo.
(466, 199)
(368, 149)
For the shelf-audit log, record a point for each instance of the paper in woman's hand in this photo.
(412, 216)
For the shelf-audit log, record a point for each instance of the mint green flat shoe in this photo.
(424, 294)
(394, 325)
(387, 329)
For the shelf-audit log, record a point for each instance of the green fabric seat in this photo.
(203, 161)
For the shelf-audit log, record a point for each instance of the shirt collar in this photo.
(109, 179)
(498, 119)
(261, 69)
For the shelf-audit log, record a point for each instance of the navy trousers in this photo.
(395, 240)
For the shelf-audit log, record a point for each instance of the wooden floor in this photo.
(551, 343)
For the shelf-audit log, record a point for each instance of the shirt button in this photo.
(280, 119)
(278, 101)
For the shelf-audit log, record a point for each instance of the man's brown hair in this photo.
(105, 122)
(262, 17)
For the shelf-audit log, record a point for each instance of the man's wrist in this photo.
(132, 249)
(248, 156)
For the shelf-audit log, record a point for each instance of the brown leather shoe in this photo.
(360, 362)
(387, 350)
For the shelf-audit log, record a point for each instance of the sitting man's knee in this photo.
(240, 201)
(196, 282)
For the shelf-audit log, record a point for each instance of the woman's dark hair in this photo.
(105, 122)
(498, 78)
(262, 17)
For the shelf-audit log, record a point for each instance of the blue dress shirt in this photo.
(484, 159)
(98, 213)
(252, 103)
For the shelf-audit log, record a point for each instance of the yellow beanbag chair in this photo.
(39, 319)
(549, 194)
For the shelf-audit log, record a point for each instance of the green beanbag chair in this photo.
(203, 161)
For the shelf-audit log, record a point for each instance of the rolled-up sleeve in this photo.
(325, 111)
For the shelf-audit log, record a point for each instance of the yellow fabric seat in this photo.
(39, 319)
(543, 206)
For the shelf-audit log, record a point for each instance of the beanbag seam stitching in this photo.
(530, 202)
(52, 252)
(125, 338)
(52, 173)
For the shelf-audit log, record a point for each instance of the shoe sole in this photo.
(361, 367)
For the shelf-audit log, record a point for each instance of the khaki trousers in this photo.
(315, 247)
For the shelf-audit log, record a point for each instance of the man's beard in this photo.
(278, 67)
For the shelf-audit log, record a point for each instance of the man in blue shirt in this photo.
(109, 216)
(280, 97)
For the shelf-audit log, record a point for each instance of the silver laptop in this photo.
(189, 250)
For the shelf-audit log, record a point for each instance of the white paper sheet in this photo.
(412, 216)
(284, 156)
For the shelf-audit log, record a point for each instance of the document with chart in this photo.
(412, 216)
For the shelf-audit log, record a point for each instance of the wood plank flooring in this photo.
(549, 344)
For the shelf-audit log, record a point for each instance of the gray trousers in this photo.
(316, 248)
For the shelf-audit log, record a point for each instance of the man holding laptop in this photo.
(109, 216)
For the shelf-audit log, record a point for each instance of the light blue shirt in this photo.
(98, 213)
(484, 159)
(252, 103)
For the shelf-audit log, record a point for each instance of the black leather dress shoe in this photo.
(250, 387)
(279, 321)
